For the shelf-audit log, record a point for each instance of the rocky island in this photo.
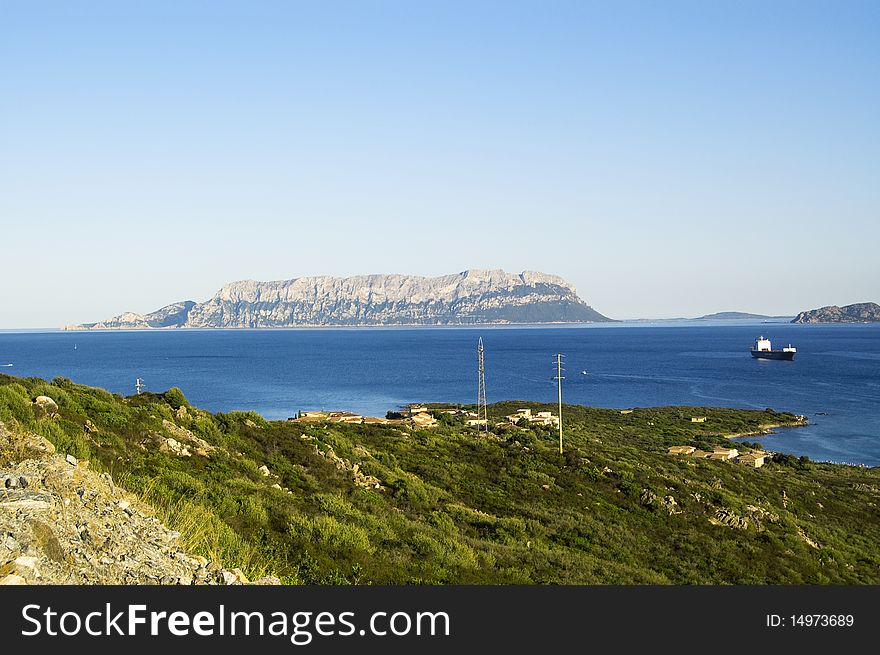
(735, 316)
(471, 297)
(863, 312)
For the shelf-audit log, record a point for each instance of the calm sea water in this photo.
(835, 379)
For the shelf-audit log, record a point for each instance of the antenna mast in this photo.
(482, 405)
(559, 379)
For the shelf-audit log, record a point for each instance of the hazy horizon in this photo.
(669, 160)
(640, 317)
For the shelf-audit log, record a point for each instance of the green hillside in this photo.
(457, 506)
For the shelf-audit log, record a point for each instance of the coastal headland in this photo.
(433, 500)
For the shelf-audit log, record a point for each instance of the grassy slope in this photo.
(458, 507)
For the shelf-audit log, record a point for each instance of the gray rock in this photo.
(27, 562)
(18, 500)
(240, 576)
(267, 580)
(648, 498)
(184, 440)
(12, 579)
(469, 297)
(45, 407)
(865, 312)
(47, 539)
(726, 517)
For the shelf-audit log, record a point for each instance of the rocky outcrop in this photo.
(468, 298)
(62, 523)
(185, 441)
(863, 312)
(359, 478)
(667, 503)
(45, 407)
(173, 315)
(726, 517)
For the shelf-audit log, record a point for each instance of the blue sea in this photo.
(834, 380)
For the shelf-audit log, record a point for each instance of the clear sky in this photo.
(668, 158)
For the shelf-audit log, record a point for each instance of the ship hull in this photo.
(772, 354)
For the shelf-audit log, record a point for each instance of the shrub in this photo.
(15, 405)
(335, 505)
(175, 398)
(330, 535)
(60, 396)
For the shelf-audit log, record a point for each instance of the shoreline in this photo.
(613, 323)
(768, 429)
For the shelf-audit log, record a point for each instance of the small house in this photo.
(345, 417)
(423, 420)
(520, 415)
(314, 416)
(724, 454)
(755, 460)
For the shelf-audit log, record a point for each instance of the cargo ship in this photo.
(763, 350)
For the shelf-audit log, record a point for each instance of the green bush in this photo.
(60, 396)
(175, 398)
(330, 535)
(15, 404)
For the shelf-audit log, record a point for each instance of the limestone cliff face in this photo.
(864, 312)
(468, 298)
(173, 315)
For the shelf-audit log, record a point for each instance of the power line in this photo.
(482, 405)
(559, 379)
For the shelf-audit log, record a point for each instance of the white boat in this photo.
(764, 350)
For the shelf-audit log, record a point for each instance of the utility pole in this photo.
(482, 405)
(559, 379)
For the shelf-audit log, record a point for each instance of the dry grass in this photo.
(201, 532)
(13, 448)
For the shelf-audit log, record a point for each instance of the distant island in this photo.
(472, 297)
(731, 316)
(863, 312)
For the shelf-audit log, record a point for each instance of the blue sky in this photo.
(669, 158)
